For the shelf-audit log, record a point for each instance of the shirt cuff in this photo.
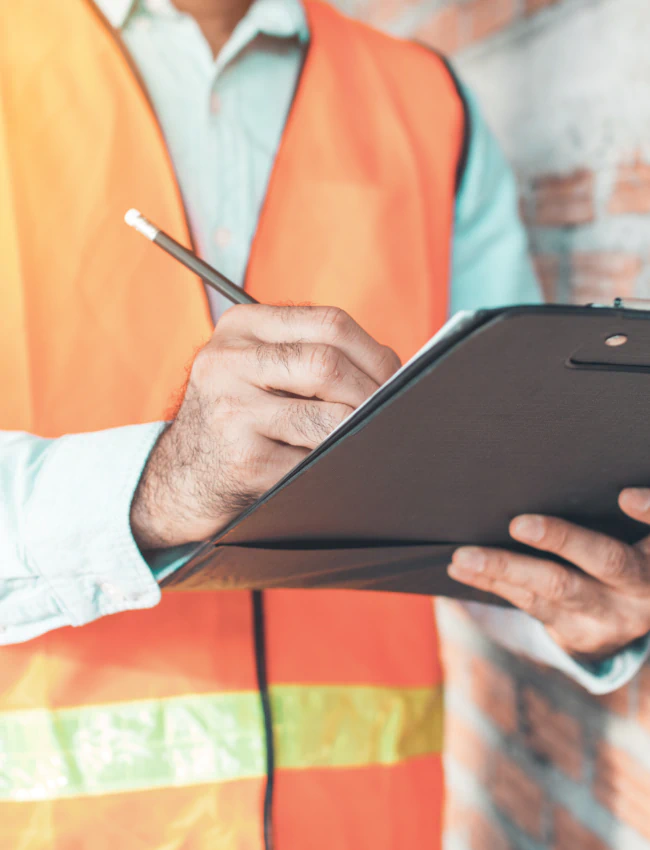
(522, 634)
(600, 677)
(77, 523)
(164, 562)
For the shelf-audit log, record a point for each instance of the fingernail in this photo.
(636, 499)
(469, 559)
(528, 528)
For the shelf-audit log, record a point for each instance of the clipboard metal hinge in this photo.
(627, 304)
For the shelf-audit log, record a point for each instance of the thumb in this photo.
(635, 502)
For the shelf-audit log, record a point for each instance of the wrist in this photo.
(164, 513)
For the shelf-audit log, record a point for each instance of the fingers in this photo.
(585, 617)
(635, 502)
(297, 422)
(280, 460)
(310, 370)
(606, 559)
(319, 325)
(534, 585)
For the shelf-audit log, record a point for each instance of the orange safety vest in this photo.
(143, 730)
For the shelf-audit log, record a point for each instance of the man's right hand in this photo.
(270, 385)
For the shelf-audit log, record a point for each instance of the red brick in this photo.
(547, 267)
(466, 746)
(568, 834)
(564, 200)
(622, 785)
(485, 834)
(602, 276)
(485, 17)
(631, 193)
(443, 30)
(494, 692)
(643, 710)
(554, 735)
(517, 795)
(533, 6)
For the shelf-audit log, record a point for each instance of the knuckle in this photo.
(615, 562)
(332, 415)
(336, 322)
(290, 352)
(263, 355)
(206, 363)
(325, 363)
(528, 600)
(283, 312)
(525, 600)
(319, 419)
(389, 363)
(232, 317)
(309, 421)
(283, 422)
(498, 565)
(558, 585)
(283, 354)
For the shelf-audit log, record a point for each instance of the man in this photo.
(144, 728)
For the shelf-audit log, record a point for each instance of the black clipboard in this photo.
(540, 409)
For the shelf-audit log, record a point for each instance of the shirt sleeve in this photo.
(491, 268)
(67, 554)
(516, 631)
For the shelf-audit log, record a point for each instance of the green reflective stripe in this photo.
(188, 740)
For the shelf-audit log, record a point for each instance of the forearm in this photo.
(67, 555)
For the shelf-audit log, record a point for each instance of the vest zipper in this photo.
(263, 687)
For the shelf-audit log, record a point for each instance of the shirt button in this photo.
(222, 237)
(215, 103)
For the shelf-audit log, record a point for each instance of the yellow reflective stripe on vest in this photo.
(194, 739)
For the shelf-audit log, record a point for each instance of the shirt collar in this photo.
(279, 18)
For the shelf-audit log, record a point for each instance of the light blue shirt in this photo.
(67, 554)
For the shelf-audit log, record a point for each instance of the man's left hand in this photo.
(592, 612)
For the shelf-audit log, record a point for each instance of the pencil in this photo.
(209, 275)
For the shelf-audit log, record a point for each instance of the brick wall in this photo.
(534, 762)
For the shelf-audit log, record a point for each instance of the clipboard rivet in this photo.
(616, 340)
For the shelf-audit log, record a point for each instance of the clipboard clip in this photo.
(632, 304)
(626, 304)
(625, 343)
